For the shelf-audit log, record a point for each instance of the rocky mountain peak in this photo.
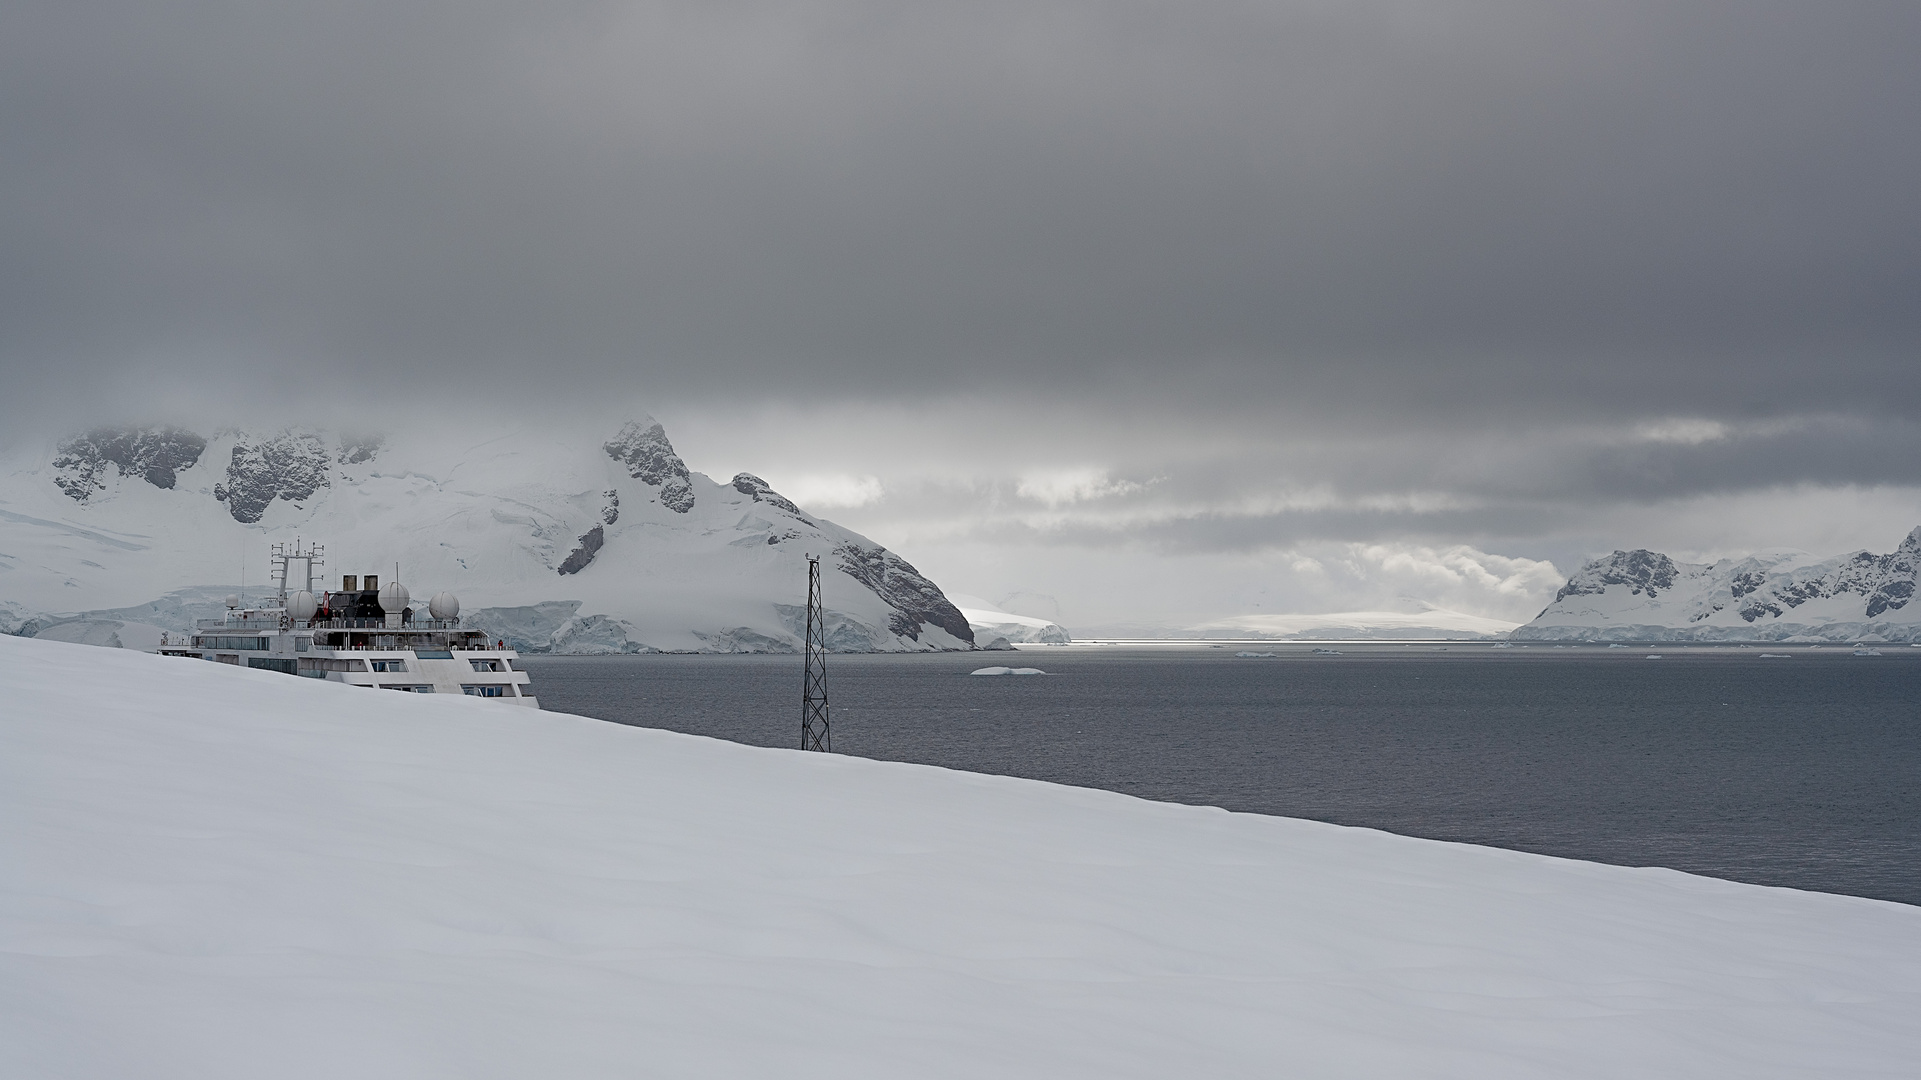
(153, 454)
(359, 449)
(650, 459)
(291, 465)
(1644, 572)
(1859, 595)
(749, 484)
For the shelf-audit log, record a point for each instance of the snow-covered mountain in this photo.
(1770, 596)
(576, 542)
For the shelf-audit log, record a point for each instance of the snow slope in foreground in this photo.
(208, 872)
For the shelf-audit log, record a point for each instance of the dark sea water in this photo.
(1803, 772)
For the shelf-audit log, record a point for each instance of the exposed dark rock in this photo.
(650, 459)
(290, 466)
(610, 513)
(356, 449)
(915, 599)
(589, 546)
(1643, 571)
(749, 484)
(1764, 597)
(155, 455)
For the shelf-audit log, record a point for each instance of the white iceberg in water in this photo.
(1007, 671)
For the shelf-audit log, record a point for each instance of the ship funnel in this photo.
(444, 605)
(302, 606)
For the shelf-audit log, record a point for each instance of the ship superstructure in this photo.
(363, 634)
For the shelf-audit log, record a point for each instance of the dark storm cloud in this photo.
(1419, 212)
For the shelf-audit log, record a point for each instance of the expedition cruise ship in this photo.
(364, 634)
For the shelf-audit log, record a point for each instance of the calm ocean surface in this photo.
(1803, 772)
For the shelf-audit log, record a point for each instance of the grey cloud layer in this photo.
(1390, 208)
(1300, 271)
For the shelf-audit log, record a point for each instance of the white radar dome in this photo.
(233, 601)
(444, 605)
(393, 597)
(302, 606)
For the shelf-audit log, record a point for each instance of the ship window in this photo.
(434, 654)
(267, 663)
(484, 691)
(390, 665)
(485, 665)
(410, 689)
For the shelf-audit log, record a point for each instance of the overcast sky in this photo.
(1164, 311)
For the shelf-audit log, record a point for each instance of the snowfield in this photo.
(208, 872)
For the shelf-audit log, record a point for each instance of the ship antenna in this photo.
(813, 697)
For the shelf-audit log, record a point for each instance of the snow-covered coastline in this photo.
(586, 542)
(1786, 596)
(1428, 624)
(989, 623)
(209, 872)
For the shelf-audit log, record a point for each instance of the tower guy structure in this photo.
(813, 698)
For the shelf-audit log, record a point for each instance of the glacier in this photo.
(1778, 595)
(210, 873)
(564, 542)
(989, 623)
(1428, 623)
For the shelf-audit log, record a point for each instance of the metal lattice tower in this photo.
(813, 698)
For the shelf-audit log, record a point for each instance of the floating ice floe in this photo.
(1777, 656)
(1258, 655)
(1867, 652)
(1654, 656)
(1328, 652)
(1007, 671)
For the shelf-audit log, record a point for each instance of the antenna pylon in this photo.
(813, 698)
